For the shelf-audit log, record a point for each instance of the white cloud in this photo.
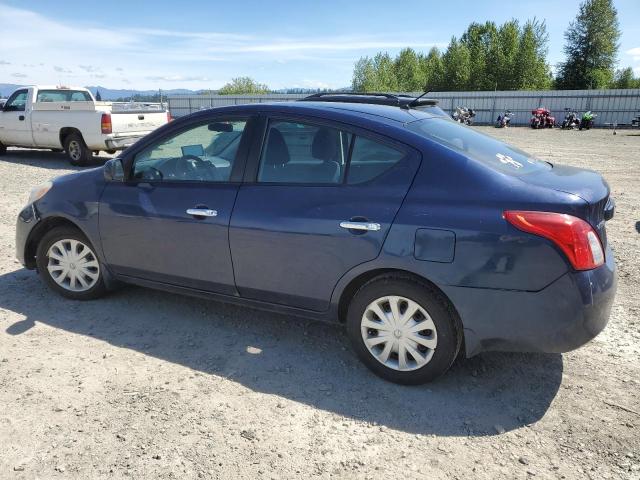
(149, 57)
(19, 75)
(178, 78)
(4, 62)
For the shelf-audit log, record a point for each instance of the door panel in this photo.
(148, 225)
(16, 120)
(146, 233)
(286, 241)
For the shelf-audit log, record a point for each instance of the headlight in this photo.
(38, 192)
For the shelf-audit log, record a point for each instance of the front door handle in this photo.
(366, 226)
(202, 212)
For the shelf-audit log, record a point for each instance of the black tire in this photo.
(3, 149)
(110, 152)
(77, 150)
(42, 262)
(445, 319)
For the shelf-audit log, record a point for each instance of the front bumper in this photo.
(28, 218)
(559, 318)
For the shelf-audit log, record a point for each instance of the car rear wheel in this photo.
(77, 150)
(68, 264)
(403, 329)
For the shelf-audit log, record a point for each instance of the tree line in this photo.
(511, 56)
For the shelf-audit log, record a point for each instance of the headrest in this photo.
(326, 144)
(277, 152)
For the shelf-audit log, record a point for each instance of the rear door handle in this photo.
(21, 118)
(202, 212)
(367, 226)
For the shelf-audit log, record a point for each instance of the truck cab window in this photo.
(17, 102)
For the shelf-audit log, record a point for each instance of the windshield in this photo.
(492, 152)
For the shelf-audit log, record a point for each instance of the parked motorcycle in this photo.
(542, 118)
(570, 120)
(587, 120)
(464, 115)
(504, 120)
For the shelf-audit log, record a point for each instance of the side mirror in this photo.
(113, 170)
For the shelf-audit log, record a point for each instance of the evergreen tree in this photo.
(625, 79)
(409, 72)
(433, 69)
(457, 66)
(98, 96)
(591, 47)
(530, 67)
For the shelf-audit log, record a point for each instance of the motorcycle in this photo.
(587, 120)
(570, 120)
(464, 115)
(504, 120)
(542, 118)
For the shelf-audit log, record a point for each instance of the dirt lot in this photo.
(145, 384)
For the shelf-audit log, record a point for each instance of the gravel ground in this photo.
(144, 384)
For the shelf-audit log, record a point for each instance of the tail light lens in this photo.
(169, 117)
(105, 123)
(575, 237)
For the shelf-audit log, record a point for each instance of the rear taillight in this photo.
(169, 117)
(105, 123)
(575, 237)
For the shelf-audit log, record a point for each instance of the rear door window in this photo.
(297, 152)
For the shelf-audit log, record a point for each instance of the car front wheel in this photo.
(403, 329)
(69, 265)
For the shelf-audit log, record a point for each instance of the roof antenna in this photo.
(415, 102)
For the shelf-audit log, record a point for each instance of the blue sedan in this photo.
(423, 237)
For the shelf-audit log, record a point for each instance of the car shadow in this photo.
(48, 159)
(304, 361)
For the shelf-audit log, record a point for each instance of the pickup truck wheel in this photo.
(3, 149)
(77, 150)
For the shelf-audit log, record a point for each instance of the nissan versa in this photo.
(422, 236)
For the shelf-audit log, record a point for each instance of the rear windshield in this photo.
(62, 96)
(494, 153)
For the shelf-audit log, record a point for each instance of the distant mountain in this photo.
(107, 93)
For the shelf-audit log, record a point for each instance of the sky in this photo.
(202, 44)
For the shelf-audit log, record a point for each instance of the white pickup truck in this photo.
(70, 119)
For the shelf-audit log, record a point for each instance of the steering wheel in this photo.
(152, 174)
(191, 167)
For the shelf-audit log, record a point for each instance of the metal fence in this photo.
(612, 106)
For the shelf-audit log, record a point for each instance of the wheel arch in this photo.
(40, 230)
(359, 280)
(66, 131)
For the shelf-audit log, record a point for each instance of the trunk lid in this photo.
(586, 184)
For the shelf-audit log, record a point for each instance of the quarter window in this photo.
(203, 153)
(296, 152)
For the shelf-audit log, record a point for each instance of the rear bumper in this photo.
(120, 143)
(562, 317)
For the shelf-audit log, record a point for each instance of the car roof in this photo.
(381, 113)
